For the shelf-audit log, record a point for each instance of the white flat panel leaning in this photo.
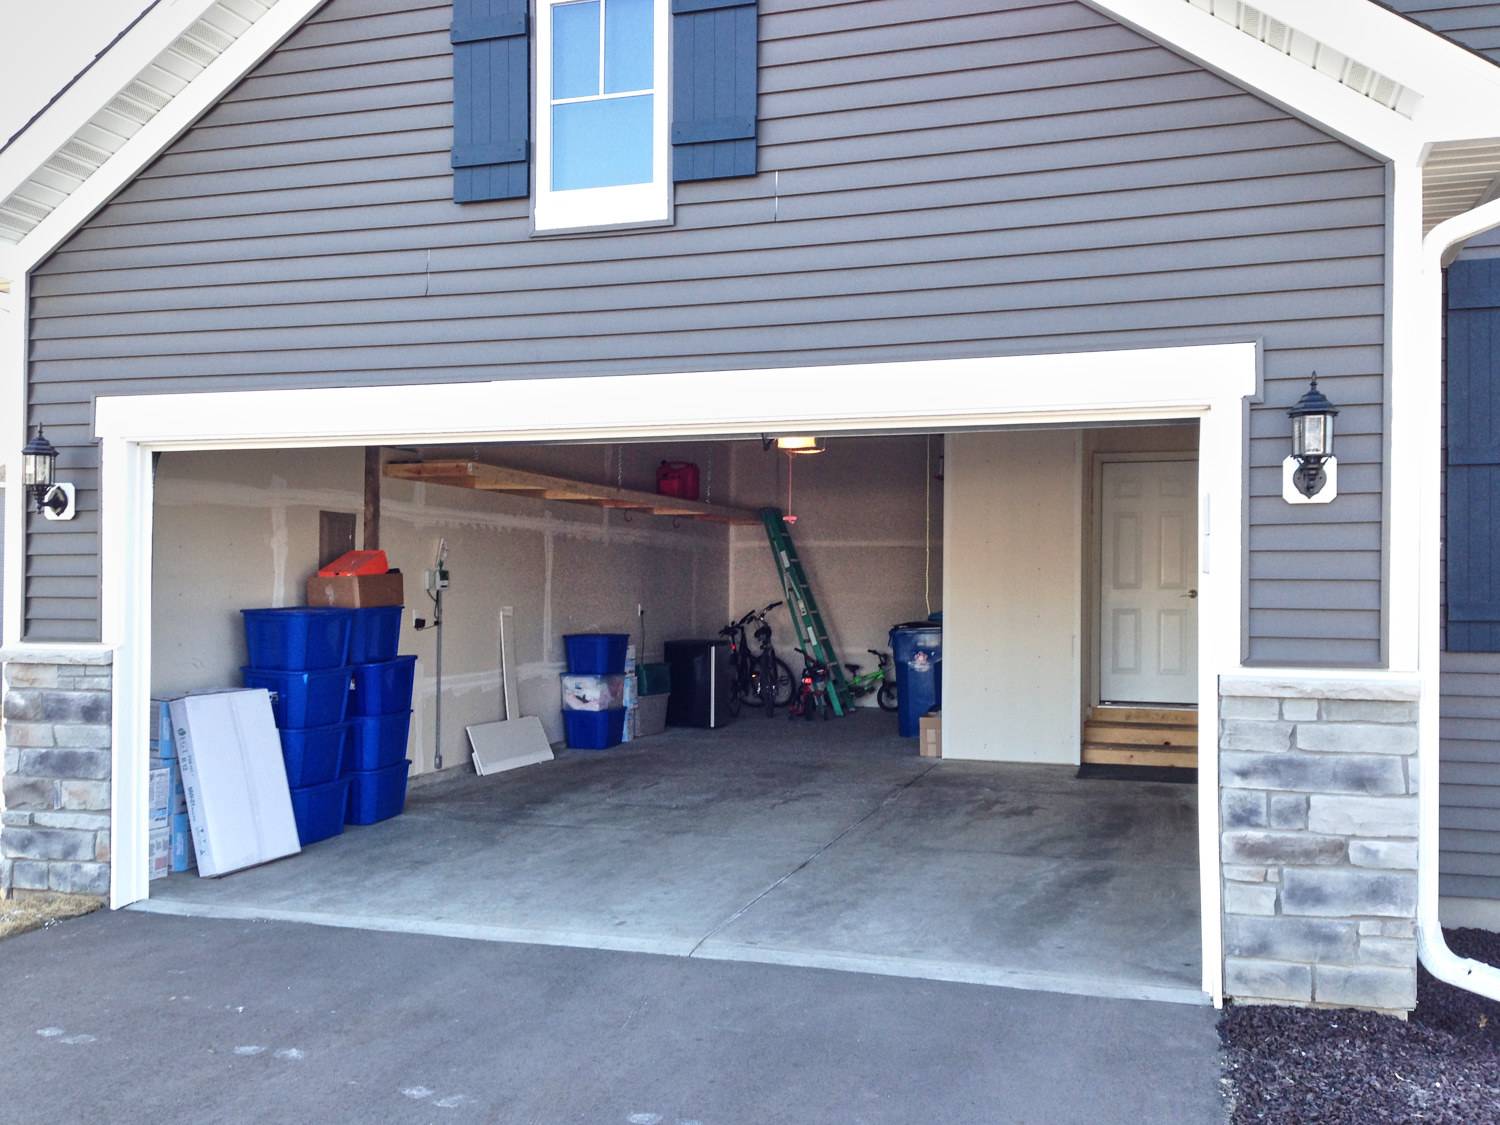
(509, 745)
(1148, 575)
(239, 806)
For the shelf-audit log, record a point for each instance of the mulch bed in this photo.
(1310, 1065)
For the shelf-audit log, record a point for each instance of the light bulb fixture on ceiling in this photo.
(799, 443)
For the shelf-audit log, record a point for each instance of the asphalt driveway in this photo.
(132, 1017)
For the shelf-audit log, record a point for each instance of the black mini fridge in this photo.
(702, 678)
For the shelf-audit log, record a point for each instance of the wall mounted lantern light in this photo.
(39, 476)
(1311, 468)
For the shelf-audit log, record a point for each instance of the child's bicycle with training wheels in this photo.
(881, 680)
(812, 690)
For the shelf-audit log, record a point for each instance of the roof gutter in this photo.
(1438, 248)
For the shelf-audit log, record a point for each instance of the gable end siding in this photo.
(961, 178)
(1474, 24)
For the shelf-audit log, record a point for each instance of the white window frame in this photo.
(626, 204)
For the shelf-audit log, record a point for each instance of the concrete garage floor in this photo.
(826, 845)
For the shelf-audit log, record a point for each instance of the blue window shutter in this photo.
(491, 100)
(714, 84)
(1473, 494)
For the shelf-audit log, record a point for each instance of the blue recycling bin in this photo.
(918, 652)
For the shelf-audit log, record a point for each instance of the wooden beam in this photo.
(372, 497)
(522, 482)
(1121, 756)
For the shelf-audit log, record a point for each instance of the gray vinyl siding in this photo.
(1473, 23)
(956, 178)
(1470, 818)
(1469, 729)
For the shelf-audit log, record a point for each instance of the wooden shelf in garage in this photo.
(523, 482)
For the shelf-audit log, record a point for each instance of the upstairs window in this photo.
(591, 133)
(602, 144)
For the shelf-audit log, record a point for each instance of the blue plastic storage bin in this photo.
(377, 741)
(319, 810)
(376, 795)
(594, 730)
(596, 654)
(383, 688)
(314, 756)
(375, 634)
(303, 699)
(297, 638)
(917, 651)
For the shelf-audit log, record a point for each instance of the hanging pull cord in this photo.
(437, 734)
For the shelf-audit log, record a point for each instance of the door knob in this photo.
(1189, 594)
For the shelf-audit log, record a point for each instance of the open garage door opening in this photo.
(1047, 835)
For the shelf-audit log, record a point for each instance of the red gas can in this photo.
(677, 478)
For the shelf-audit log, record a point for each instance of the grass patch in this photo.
(34, 911)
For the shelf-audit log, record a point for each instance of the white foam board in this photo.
(233, 776)
(508, 745)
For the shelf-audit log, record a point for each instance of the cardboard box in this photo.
(176, 796)
(357, 591)
(182, 844)
(238, 803)
(930, 735)
(160, 852)
(159, 796)
(161, 740)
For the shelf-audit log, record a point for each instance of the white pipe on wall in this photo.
(1425, 400)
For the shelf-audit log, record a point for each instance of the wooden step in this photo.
(1154, 716)
(1096, 755)
(1177, 738)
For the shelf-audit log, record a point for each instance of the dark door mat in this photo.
(1177, 774)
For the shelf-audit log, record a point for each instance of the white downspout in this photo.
(1440, 961)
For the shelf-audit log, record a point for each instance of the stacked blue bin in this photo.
(595, 654)
(379, 716)
(301, 656)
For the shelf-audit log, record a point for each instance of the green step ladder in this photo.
(800, 603)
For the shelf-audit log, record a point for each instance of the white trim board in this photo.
(1207, 382)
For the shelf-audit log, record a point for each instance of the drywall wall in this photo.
(238, 530)
(1011, 666)
(863, 507)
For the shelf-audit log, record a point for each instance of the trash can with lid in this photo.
(917, 650)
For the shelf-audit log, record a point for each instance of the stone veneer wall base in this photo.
(55, 826)
(1318, 806)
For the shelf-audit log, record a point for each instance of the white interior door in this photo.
(1148, 605)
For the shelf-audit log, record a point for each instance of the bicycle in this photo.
(751, 669)
(881, 681)
(812, 696)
